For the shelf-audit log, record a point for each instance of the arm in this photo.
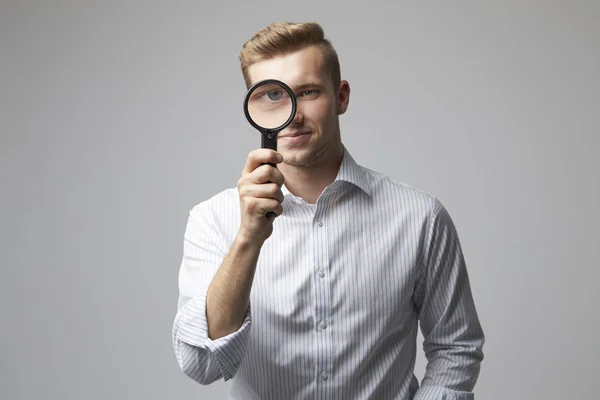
(453, 337)
(202, 355)
(213, 320)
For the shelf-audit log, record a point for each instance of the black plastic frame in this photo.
(268, 131)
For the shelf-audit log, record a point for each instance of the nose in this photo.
(298, 118)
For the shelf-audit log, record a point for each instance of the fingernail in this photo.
(279, 157)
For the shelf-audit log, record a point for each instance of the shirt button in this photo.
(323, 324)
(321, 273)
(324, 376)
(320, 223)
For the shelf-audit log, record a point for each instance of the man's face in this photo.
(314, 134)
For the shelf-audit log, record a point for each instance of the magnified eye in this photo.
(275, 95)
(270, 105)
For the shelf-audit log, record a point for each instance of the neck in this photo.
(308, 182)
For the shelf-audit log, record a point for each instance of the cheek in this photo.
(321, 112)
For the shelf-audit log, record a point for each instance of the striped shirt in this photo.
(338, 293)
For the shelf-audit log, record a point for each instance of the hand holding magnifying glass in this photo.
(270, 106)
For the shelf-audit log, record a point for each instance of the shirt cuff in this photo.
(442, 393)
(228, 350)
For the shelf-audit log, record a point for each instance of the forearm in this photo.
(200, 358)
(228, 295)
(192, 350)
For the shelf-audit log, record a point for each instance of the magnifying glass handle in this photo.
(269, 141)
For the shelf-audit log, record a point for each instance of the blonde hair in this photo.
(280, 38)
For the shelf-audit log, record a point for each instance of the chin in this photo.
(302, 158)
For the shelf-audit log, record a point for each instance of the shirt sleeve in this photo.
(202, 359)
(453, 337)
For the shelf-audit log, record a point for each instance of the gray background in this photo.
(117, 117)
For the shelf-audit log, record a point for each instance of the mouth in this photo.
(295, 138)
(294, 134)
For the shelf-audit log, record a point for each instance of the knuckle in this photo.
(242, 183)
(278, 177)
(251, 203)
(274, 189)
(274, 174)
(266, 173)
(243, 191)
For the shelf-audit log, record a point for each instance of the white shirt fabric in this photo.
(338, 293)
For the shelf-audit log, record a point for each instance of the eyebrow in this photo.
(307, 85)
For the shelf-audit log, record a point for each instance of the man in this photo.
(324, 299)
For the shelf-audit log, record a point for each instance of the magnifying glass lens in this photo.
(270, 106)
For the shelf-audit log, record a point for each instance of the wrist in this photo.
(246, 241)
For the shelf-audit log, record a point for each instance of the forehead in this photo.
(294, 69)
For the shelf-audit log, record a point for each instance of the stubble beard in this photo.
(310, 159)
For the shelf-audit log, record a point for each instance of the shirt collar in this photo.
(349, 172)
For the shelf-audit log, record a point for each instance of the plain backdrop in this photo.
(117, 117)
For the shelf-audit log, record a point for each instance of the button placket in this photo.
(324, 342)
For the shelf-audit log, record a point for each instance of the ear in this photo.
(343, 97)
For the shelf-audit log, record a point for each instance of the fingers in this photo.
(258, 157)
(257, 168)
(260, 206)
(266, 174)
(259, 189)
(262, 191)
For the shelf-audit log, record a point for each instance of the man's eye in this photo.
(274, 95)
(309, 92)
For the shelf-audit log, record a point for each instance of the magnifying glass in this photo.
(270, 106)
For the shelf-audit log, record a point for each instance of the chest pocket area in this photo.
(387, 276)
